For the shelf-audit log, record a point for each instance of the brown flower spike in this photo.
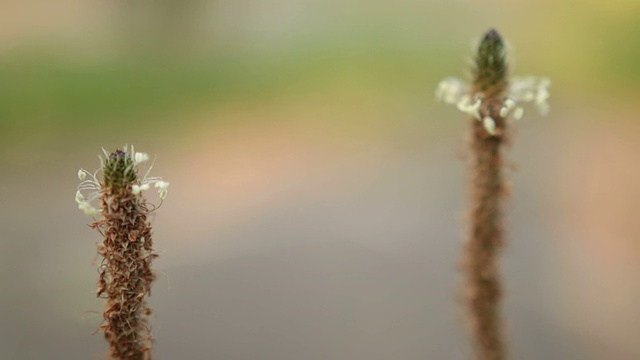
(492, 100)
(484, 286)
(125, 274)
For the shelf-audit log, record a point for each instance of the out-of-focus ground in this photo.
(316, 206)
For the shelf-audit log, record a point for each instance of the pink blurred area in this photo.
(317, 200)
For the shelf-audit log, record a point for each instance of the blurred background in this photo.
(317, 201)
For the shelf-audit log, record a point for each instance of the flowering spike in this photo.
(491, 93)
(490, 99)
(126, 275)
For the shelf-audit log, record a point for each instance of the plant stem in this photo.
(125, 272)
(483, 284)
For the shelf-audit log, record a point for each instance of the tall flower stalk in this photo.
(492, 100)
(125, 274)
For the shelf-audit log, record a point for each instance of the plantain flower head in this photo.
(492, 98)
(119, 170)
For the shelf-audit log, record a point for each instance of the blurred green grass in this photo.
(382, 53)
(46, 87)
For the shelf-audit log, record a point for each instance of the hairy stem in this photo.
(483, 282)
(125, 273)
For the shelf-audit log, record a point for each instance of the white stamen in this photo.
(136, 189)
(489, 125)
(467, 107)
(163, 194)
(451, 90)
(545, 82)
(140, 157)
(520, 90)
(161, 185)
(517, 113)
(162, 188)
(509, 103)
(92, 188)
(79, 197)
(87, 209)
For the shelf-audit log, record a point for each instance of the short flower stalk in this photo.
(125, 273)
(492, 101)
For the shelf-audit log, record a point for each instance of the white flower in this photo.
(506, 107)
(90, 188)
(451, 90)
(136, 189)
(517, 113)
(541, 100)
(90, 184)
(163, 194)
(489, 125)
(79, 197)
(87, 208)
(466, 106)
(528, 89)
(531, 89)
(162, 188)
(140, 157)
(161, 184)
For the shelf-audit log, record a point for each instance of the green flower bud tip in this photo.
(491, 66)
(118, 170)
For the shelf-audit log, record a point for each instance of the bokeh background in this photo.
(316, 207)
